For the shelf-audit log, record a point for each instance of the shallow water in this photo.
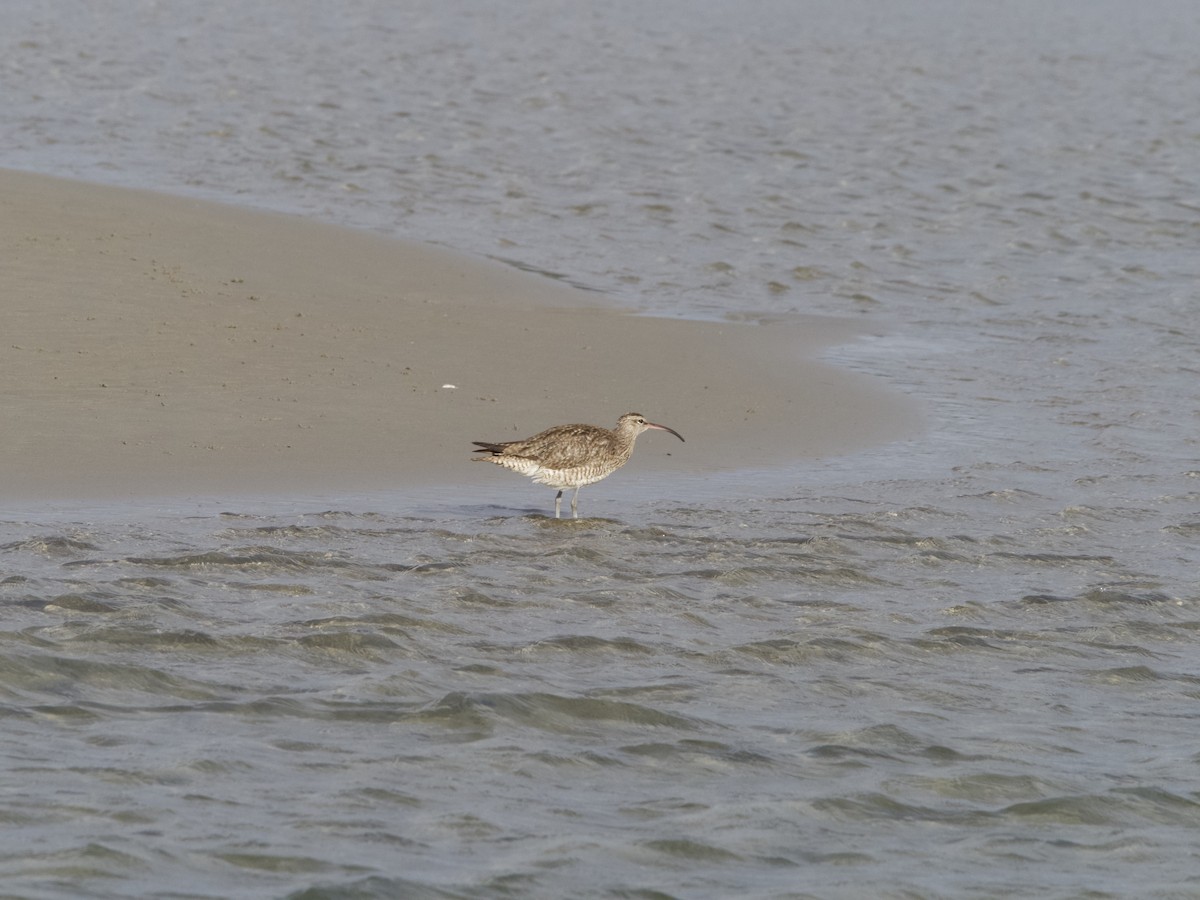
(961, 666)
(814, 695)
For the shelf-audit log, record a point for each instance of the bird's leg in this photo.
(557, 503)
(575, 502)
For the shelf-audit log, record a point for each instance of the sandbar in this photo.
(155, 345)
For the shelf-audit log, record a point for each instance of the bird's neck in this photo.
(626, 437)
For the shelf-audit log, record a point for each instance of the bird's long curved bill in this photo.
(665, 428)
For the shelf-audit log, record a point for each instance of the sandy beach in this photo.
(156, 345)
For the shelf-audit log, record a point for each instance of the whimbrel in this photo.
(570, 456)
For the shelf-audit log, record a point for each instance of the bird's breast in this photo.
(567, 477)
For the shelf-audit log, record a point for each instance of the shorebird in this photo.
(570, 456)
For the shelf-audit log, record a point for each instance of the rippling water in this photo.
(808, 695)
(962, 666)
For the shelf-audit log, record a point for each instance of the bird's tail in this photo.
(484, 447)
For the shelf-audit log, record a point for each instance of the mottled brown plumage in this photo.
(570, 456)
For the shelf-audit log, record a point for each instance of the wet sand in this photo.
(157, 345)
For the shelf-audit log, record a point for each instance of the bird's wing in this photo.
(565, 447)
